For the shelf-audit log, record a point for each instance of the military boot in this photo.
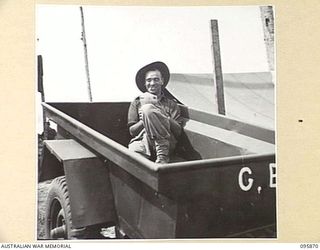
(162, 151)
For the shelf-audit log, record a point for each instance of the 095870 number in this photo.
(309, 246)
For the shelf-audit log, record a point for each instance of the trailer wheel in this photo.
(58, 223)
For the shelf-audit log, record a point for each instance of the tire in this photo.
(58, 223)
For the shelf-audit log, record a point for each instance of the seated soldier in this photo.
(154, 120)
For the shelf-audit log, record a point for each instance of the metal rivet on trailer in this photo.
(259, 189)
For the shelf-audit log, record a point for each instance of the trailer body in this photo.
(221, 182)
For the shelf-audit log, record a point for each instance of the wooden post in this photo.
(40, 78)
(85, 54)
(41, 90)
(217, 73)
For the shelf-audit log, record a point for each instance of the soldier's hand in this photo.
(140, 114)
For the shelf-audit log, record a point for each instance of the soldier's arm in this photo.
(136, 128)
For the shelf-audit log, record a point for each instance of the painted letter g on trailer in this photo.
(246, 173)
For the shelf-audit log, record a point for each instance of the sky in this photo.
(122, 39)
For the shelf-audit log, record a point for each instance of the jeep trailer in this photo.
(219, 184)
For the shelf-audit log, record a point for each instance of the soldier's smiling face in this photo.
(154, 82)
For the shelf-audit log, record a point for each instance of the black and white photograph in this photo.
(155, 122)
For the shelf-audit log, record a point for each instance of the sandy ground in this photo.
(43, 188)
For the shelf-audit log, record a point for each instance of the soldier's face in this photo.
(154, 82)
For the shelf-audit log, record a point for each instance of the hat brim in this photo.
(141, 74)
